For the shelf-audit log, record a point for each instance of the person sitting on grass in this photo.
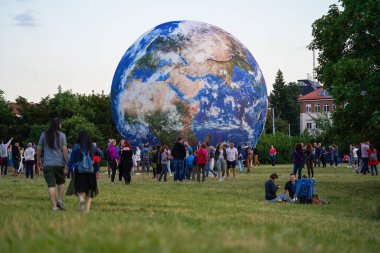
(290, 187)
(271, 189)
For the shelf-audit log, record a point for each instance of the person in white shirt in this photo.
(355, 159)
(4, 156)
(29, 160)
(232, 156)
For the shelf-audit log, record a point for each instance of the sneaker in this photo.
(54, 209)
(60, 206)
(81, 205)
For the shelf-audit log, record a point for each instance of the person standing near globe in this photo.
(272, 155)
(221, 156)
(179, 154)
(113, 159)
(232, 156)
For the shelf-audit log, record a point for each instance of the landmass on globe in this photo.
(188, 79)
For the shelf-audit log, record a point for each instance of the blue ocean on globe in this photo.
(188, 79)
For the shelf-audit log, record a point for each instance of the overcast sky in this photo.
(78, 43)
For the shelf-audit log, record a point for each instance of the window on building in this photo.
(317, 107)
(309, 125)
(334, 107)
(317, 125)
(326, 107)
(308, 108)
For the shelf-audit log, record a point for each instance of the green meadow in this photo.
(229, 216)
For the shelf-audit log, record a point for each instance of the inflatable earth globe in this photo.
(192, 80)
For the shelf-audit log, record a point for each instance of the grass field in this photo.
(229, 216)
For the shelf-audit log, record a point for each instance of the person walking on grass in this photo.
(53, 144)
(113, 159)
(84, 185)
(126, 162)
(240, 159)
(336, 155)
(364, 157)
(232, 156)
(137, 158)
(221, 156)
(372, 161)
(201, 162)
(309, 160)
(164, 163)
(97, 154)
(256, 156)
(16, 158)
(298, 160)
(4, 156)
(272, 155)
(29, 160)
(248, 155)
(189, 166)
(179, 154)
(145, 159)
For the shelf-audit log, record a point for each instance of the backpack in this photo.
(305, 190)
(373, 156)
(85, 166)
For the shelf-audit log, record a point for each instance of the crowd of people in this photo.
(81, 163)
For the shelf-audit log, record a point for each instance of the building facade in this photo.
(315, 107)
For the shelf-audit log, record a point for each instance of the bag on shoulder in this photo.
(373, 156)
(85, 166)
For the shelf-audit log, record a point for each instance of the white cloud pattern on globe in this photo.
(188, 79)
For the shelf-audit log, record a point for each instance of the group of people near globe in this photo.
(186, 163)
(60, 162)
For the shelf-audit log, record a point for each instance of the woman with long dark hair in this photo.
(54, 145)
(298, 160)
(221, 158)
(309, 160)
(126, 162)
(82, 183)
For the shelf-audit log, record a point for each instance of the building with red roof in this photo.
(315, 105)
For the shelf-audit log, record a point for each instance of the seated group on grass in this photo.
(300, 191)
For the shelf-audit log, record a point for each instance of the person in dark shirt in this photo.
(290, 187)
(16, 157)
(179, 154)
(271, 189)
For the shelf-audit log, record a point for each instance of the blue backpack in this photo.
(305, 190)
(86, 165)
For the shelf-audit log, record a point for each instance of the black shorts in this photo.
(54, 175)
(231, 164)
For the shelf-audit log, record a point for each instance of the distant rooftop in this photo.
(307, 86)
(318, 94)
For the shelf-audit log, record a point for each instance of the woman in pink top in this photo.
(113, 158)
(272, 154)
(372, 161)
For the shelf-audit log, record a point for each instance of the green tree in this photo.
(284, 100)
(64, 104)
(348, 44)
(71, 127)
(6, 116)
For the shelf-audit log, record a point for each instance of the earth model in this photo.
(192, 80)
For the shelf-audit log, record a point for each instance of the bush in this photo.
(283, 144)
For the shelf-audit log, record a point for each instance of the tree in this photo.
(71, 127)
(64, 104)
(348, 44)
(284, 100)
(6, 116)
